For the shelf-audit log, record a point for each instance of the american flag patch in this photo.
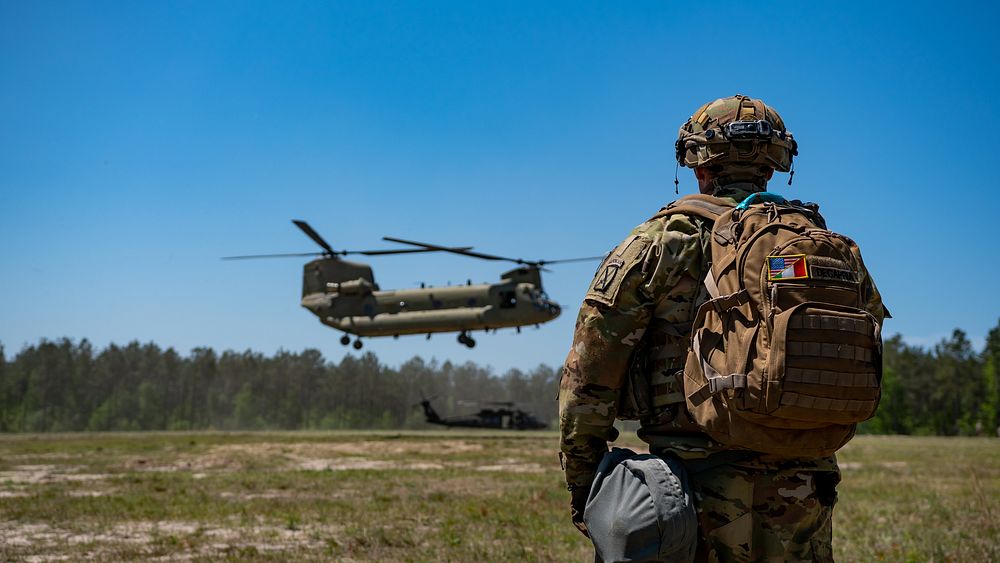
(787, 267)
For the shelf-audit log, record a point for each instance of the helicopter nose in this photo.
(554, 310)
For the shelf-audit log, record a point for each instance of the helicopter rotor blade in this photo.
(465, 252)
(457, 251)
(311, 233)
(565, 260)
(283, 255)
(399, 251)
(314, 236)
(426, 399)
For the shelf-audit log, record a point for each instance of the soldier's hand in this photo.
(578, 503)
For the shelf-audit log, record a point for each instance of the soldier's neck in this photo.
(737, 191)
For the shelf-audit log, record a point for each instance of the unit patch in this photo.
(787, 267)
(606, 276)
(622, 260)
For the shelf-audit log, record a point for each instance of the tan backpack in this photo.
(784, 359)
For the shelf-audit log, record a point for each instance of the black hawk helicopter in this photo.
(344, 295)
(498, 414)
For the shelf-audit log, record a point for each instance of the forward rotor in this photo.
(484, 256)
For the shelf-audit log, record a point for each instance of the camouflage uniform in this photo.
(636, 318)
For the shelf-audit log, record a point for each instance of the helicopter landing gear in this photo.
(357, 344)
(467, 340)
(345, 340)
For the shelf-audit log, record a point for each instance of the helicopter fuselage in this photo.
(507, 418)
(358, 306)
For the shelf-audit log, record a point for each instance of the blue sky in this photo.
(141, 141)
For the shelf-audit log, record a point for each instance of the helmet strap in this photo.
(791, 174)
(676, 181)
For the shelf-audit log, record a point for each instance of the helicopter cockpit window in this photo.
(508, 299)
(539, 296)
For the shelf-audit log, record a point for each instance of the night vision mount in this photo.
(739, 130)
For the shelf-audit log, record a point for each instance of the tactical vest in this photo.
(783, 357)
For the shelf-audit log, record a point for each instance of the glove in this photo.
(578, 503)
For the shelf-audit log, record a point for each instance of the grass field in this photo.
(421, 496)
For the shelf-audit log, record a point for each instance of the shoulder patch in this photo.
(608, 279)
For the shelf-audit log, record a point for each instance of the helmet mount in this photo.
(739, 137)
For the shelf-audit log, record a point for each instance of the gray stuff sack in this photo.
(640, 508)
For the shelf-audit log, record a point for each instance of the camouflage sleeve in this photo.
(614, 316)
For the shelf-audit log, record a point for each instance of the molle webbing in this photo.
(829, 322)
(831, 378)
(664, 395)
(667, 388)
(826, 404)
(828, 350)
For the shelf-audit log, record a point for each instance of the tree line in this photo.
(69, 386)
(63, 385)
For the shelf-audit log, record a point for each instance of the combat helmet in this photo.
(740, 135)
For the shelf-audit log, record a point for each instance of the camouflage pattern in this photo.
(655, 272)
(781, 512)
(703, 140)
(635, 319)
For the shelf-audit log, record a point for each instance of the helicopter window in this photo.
(508, 300)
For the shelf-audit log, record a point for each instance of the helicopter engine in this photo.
(347, 278)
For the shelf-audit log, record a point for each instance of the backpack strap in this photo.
(700, 205)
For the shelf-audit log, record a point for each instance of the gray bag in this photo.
(640, 508)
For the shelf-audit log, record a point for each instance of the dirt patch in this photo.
(211, 539)
(853, 465)
(36, 474)
(313, 457)
(88, 493)
(513, 465)
(361, 454)
(143, 464)
(325, 495)
(363, 463)
(48, 456)
(391, 448)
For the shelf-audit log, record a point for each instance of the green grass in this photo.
(421, 496)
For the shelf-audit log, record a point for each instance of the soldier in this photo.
(633, 330)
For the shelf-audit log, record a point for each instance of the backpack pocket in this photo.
(825, 365)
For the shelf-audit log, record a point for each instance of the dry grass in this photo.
(419, 496)
(919, 499)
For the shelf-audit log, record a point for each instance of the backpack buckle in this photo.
(731, 301)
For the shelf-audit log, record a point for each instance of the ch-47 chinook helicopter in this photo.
(344, 295)
(496, 414)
